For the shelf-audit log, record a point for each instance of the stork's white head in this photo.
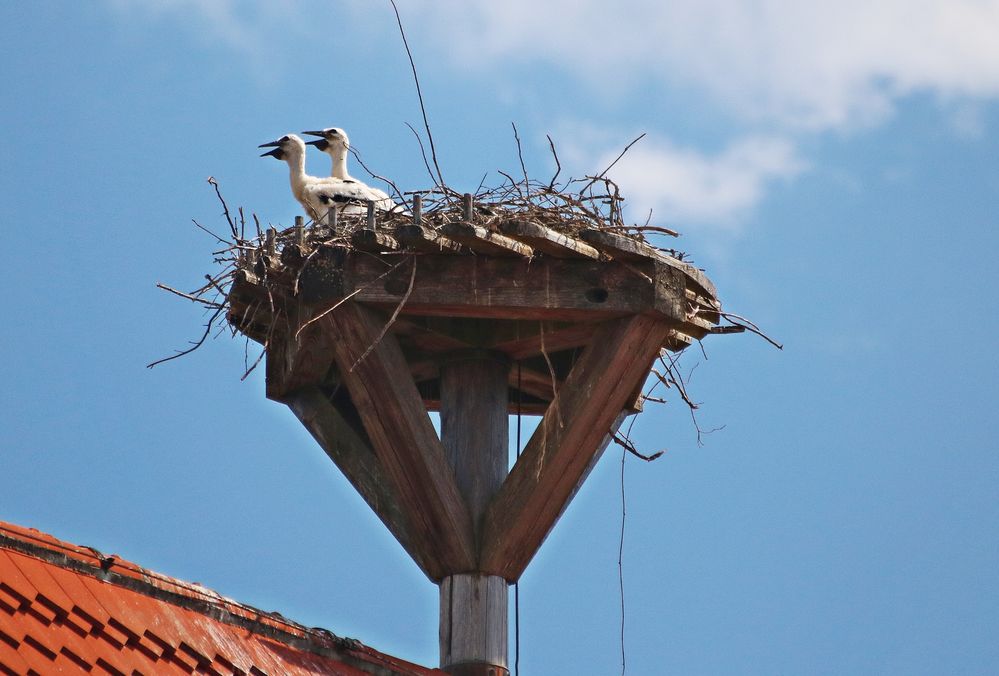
(288, 147)
(330, 139)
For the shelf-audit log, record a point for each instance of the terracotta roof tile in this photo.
(71, 609)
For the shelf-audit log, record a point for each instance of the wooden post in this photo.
(300, 230)
(417, 209)
(371, 214)
(473, 606)
(466, 206)
(270, 242)
(331, 217)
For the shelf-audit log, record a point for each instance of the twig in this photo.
(419, 94)
(357, 157)
(558, 165)
(398, 308)
(520, 155)
(345, 299)
(225, 207)
(630, 447)
(423, 152)
(195, 346)
(551, 372)
(750, 326)
(223, 241)
(188, 296)
(601, 174)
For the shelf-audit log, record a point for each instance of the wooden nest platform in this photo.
(494, 281)
(534, 300)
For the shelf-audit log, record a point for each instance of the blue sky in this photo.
(833, 168)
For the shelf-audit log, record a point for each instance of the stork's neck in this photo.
(339, 155)
(296, 166)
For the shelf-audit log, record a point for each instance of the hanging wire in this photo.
(516, 585)
(620, 546)
(620, 559)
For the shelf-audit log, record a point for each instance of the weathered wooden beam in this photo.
(625, 248)
(350, 449)
(498, 288)
(547, 241)
(422, 238)
(677, 341)
(295, 362)
(373, 241)
(481, 240)
(412, 331)
(534, 383)
(567, 442)
(375, 372)
(547, 340)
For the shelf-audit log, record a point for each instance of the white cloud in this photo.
(808, 64)
(683, 186)
(795, 66)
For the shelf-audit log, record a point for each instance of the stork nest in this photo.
(589, 203)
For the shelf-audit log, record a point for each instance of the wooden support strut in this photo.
(567, 443)
(411, 455)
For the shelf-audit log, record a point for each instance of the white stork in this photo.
(316, 195)
(334, 142)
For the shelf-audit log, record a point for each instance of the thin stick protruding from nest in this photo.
(616, 160)
(225, 207)
(630, 447)
(558, 165)
(419, 94)
(198, 343)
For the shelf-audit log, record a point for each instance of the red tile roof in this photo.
(70, 609)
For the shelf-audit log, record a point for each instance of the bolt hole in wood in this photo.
(596, 295)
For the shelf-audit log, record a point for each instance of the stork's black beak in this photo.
(272, 144)
(320, 143)
(277, 153)
(314, 133)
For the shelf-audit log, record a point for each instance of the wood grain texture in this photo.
(403, 439)
(481, 240)
(473, 622)
(373, 241)
(628, 249)
(499, 288)
(547, 241)
(474, 425)
(293, 363)
(425, 239)
(565, 445)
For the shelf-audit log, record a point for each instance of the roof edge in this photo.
(203, 600)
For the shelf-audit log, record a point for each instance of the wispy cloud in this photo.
(686, 187)
(810, 65)
(784, 69)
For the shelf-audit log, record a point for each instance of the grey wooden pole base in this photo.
(473, 630)
(474, 428)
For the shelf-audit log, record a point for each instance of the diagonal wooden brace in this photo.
(567, 443)
(408, 449)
